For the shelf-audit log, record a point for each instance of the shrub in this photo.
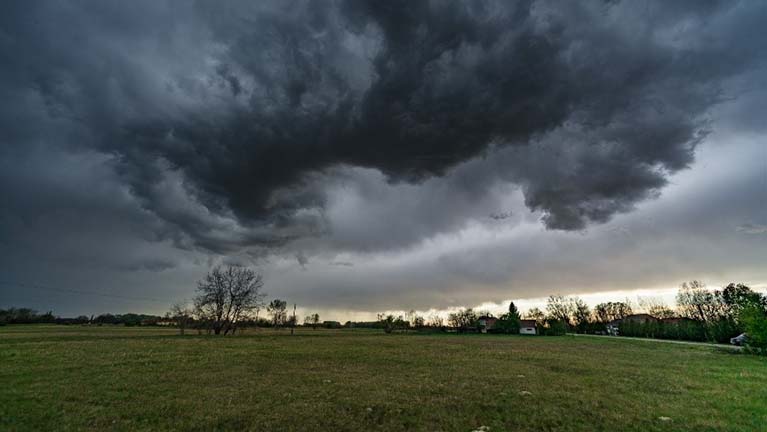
(391, 323)
(506, 324)
(685, 330)
(554, 327)
(754, 319)
(723, 329)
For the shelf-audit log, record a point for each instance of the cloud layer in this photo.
(195, 132)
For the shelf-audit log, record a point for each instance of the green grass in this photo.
(116, 378)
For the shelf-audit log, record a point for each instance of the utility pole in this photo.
(293, 327)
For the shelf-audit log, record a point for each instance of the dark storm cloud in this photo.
(220, 117)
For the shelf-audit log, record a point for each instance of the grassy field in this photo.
(116, 378)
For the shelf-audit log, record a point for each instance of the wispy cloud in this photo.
(750, 228)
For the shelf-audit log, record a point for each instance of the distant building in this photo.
(640, 319)
(331, 324)
(527, 327)
(486, 322)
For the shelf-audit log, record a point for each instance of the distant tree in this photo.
(47, 318)
(580, 314)
(19, 315)
(27, 316)
(606, 312)
(387, 322)
(696, 302)
(391, 322)
(656, 307)
(106, 319)
(228, 295)
(312, 320)
(181, 314)
(410, 317)
(278, 310)
(435, 321)
(719, 311)
(754, 319)
(537, 315)
(509, 322)
(315, 320)
(554, 327)
(463, 320)
(418, 321)
(737, 297)
(559, 308)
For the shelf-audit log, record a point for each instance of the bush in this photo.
(554, 328)
(754, 319)
(723, 329)
(685, 330)
(505, 324)
(391, 323)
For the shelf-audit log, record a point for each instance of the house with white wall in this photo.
(527, 327)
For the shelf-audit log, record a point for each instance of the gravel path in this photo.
(713, 345)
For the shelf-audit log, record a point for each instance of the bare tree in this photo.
(436, 321)
(390, 322)
(580, 314)
(695, 301)
(181, 314)
(313, 320)
(559, 308)
(418, 321)
(463, 319)
(278, 310)
(227, 296)
(656, 307)
(537, 315)
(606, 312)
(410, 317)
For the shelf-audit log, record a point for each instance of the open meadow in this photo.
(126, 379)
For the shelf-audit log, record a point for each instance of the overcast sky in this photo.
(372, 156)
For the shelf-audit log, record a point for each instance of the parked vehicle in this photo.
(739, 340)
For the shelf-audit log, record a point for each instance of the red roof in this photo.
(527, 323)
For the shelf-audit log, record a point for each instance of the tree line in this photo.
(700, 314)
(231, 298)
(227, 299)
(31, 316)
